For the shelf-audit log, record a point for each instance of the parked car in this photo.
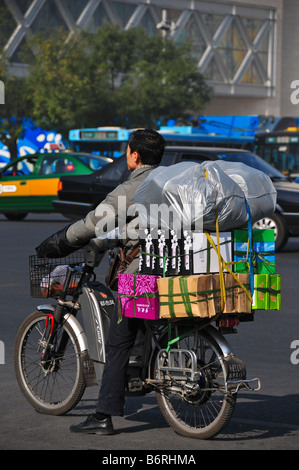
(82, 194)
(30, 183)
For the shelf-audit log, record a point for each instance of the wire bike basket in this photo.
(47, 276)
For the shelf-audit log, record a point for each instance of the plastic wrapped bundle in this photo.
(257, 187)
(191, 195)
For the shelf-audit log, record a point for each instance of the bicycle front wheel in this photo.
(56, 385)
(198, 408)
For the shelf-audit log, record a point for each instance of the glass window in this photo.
(212, 21)
(94, 162)
(148, 23)
(232, 49)
(263, 51)
(192, 33)
(23, 53)
(48, 18)
(212, 71)
(117, 171)
(24, 5)
(97, 19)
(47, 165)
(21, 167)
(26, 166)
(195, 158)
(252, 160)
(251, 75)
(75, 6)
(282, 161)
(252, 26)
(168, 159)
(52, 165)
(294, 158)
(124, 11)
(7, 23)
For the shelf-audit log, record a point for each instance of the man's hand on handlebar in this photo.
(56, 246)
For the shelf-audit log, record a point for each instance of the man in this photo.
(144, 153)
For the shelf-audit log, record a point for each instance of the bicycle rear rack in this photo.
(180, 363)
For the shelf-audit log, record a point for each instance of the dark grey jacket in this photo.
(117, 210)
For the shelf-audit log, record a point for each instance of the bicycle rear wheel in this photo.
(54, 386)
(199, 409)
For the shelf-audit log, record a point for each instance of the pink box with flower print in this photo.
(132, 290)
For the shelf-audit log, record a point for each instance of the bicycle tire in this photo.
(204, 413)
(54, 390)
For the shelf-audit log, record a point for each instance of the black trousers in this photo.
(121, 339)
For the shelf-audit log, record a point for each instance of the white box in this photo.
(205, 258)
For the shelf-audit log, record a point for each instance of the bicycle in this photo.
(187, 362)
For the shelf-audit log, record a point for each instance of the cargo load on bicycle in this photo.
(199, 254)
(201, 261)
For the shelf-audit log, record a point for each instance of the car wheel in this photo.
(276, 223)
(15, 215)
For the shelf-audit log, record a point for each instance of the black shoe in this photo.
(94, 426)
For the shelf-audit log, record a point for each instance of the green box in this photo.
(263, 251)
(267, 294)
(275, 293)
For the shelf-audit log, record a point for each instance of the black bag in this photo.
(118, 263)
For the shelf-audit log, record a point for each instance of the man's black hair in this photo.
(149, 144)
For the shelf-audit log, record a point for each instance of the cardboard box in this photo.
(184, 296)
(267, 294)
(200, 295)
(242, 304)
(236, 299)
(138, 295)
(263, 251)
(205, 257)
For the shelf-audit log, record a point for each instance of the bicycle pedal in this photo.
(135, 386)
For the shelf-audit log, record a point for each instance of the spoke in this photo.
(199, 405)
(52, 385)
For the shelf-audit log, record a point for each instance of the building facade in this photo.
(247, 51)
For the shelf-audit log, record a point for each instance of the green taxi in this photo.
(30, 183)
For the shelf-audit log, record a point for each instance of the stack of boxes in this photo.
(266, 282)
(180, 275)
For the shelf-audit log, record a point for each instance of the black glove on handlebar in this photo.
(56, 246)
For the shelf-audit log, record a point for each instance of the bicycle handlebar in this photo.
(96, 249)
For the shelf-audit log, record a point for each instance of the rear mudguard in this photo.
(223, 344)
(235, 368)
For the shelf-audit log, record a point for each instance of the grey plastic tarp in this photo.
(189, 194)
